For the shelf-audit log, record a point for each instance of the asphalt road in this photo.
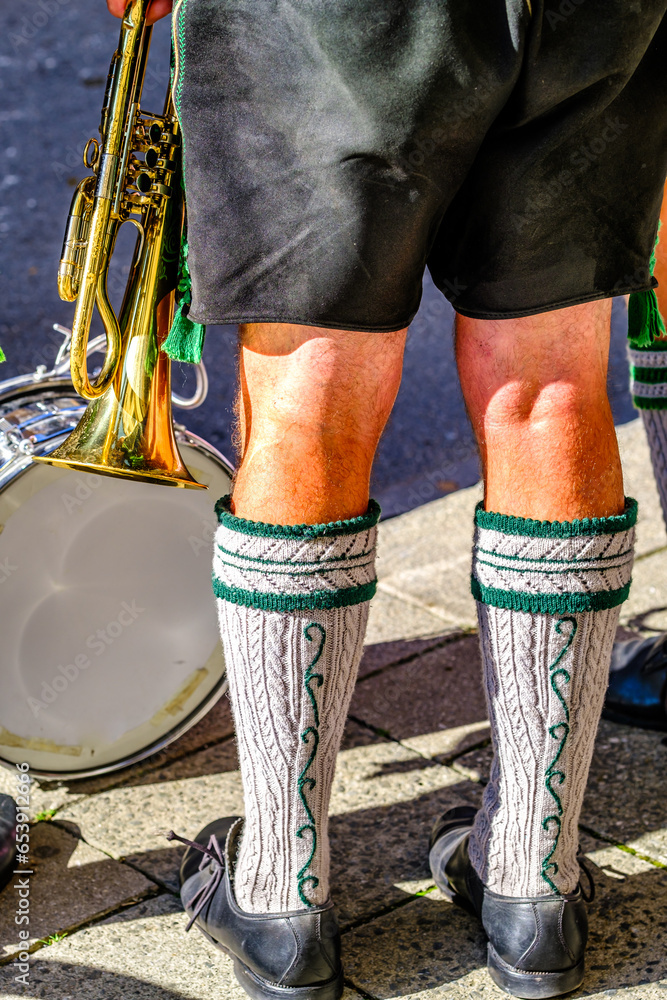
(54, 56)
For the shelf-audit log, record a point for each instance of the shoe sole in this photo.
(532, 985)
(261, 989)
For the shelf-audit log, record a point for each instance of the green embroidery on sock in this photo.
(309, 676)
(559, 732)
(304, 782)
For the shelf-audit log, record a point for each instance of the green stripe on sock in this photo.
(321, 599)
(548, 604)
(649, 376)
(330, 530)
(649, 402)
(509, 525)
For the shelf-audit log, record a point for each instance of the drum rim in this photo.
(179, 729)
(183, 436)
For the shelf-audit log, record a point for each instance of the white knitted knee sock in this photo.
(649, 394)
(548, 598)
(293, 607)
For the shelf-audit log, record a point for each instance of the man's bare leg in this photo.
(548, 584)
(536, 392)
(312, 406)
(294, 574)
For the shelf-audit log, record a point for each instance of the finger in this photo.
(158, 9)
(116, 7)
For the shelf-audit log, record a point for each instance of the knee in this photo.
(320, 386)
(531, 403)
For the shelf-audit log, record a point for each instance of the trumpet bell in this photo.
(128, 431)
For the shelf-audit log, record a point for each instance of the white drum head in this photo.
(108, 622)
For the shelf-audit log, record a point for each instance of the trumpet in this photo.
(127, 428)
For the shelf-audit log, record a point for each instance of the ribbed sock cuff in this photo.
(553, 567)
(294, 567)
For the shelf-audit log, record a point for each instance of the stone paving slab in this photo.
(393, 618)
(433, 704)
(380, 655)
(431, 949)
(140, 954)
(72, 883)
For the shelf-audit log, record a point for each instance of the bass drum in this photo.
(110, 643)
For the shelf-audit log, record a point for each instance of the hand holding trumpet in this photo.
(157, 9)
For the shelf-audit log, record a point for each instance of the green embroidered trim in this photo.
(548, 604)
(557, 529)
(559, 732)
(304, 781)
(330, 530)
(649, 376)
(318, 599)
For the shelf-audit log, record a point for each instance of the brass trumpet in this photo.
(127, 428)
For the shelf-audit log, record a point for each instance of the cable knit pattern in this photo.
(291, 677)
(545, 678)
(655, 423)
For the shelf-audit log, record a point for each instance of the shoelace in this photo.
(589, 878)
(211, 852)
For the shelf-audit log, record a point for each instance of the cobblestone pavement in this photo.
(106, 919)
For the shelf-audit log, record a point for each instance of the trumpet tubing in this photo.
(127, 429)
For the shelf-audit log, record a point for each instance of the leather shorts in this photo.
(335, 148)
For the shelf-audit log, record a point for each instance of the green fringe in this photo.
(645, 324)
(2, 356)
(185, 341)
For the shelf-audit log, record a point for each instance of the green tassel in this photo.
(186, 339)
(645, 324)
(2, 356)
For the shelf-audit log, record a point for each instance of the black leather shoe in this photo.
(276, 955)
(7, 839)
(637, 692)
(536, 945)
